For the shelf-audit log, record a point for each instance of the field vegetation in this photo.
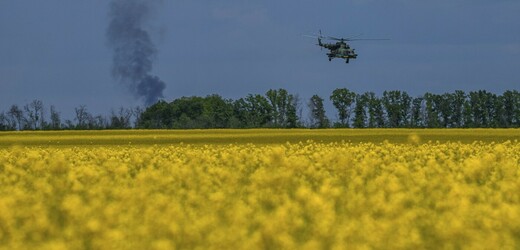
(254, 136)
(260, 189)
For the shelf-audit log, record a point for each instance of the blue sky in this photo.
(56, 50)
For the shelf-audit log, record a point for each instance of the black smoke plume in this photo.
(133, 48)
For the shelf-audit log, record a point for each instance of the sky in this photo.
(57, 51)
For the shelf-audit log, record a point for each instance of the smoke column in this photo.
(133, 49)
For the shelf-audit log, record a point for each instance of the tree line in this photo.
(397, 109)
(34, 116)
(278, 108)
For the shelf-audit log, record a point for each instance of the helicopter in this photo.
(340, 49)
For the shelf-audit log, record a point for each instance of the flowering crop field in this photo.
(260, 189)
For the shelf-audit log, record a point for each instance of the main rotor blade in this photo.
(368, 39)
(352, 37)
(356, 39)
(335, 38)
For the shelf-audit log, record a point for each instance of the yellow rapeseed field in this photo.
(328, 191)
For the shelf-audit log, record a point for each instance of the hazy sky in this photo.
(56, 50)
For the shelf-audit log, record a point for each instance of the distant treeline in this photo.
(280, 109)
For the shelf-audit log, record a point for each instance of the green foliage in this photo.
(283, 108)
(375, 111)
(277, 109)
(397, 105)
(280, 109)
(511, 111)
(360, 111)
(189, 112)
(159, 115)
(343, 99)
(416, 115)
(317, 110)
(253, 111)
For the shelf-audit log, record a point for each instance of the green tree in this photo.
(275, 99)
(376, 117)
(431, 115)
(317, 113)
(283, 108)
(360, 113)
(293, 120)
(416, 113)
(457, 103)
(482, 107)
(217, 111)
(241, 113)
(397, 106)
(343, 99)
(253, 111)
(158, 115)
(511, 102)
(499, 118)
(444, 104)
(467, 115)
(191, 110)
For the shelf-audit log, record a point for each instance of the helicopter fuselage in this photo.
(339, 49)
